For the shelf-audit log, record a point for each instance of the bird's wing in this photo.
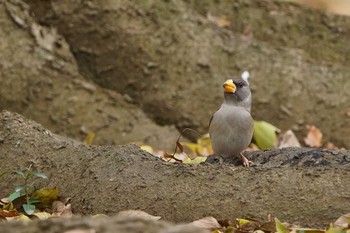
(211, 118)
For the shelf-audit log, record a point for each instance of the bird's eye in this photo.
(240, 85)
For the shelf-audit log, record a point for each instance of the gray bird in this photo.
(231, 127)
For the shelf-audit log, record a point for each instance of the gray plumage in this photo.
(231, 127)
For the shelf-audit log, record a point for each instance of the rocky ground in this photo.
(296, 184)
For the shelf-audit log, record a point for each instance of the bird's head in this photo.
(237, 89)
(237, 92)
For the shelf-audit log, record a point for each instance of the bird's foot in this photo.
(246, 162)
(215, 159)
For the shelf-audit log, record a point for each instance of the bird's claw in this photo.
(246, 162)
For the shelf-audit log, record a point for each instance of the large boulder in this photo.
(171, 57)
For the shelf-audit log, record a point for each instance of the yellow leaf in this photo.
(205, 145)
(241, 221)
(89, 138)
(204, 140)
(197, 160)
(216, 231)
(201, 148)
(23, 218)
(46, 196)
(147, 148)
(191, 146)
(42, 215)
(265, 135)
(333, 229)
(280, 227)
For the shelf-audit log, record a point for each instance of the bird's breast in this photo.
(231, 130)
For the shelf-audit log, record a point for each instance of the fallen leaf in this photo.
(330, 145)
(265, 134)
(42, 215)
(197, 160)
(7, 214)
(206, 223)
(180, 156)
(181, 148)
(138, 214)
(147, 148)
(333, 229)
(280, 227)
(288, 139)
(221, 22)
(205, 143)
(268, 226)
(23, 218)
(245, 225)
(61, 209)
(343, 221)
(45, 196)
(314, 136)
(241, 221)
(89, 138)
(252, 147)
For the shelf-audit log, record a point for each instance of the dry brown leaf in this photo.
(221, 21)
(330, 145)
(206, 223)
(7, 214)
(252, 147)
(314, 136)
(343, 221)
(288, 139)
(138, 214)
(41, 215)
(61, 209)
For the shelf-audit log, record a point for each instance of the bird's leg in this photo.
(246, 162)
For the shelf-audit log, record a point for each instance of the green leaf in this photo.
(33, 200)
(265, 135)
(280, 227)
(19, 188)
(14, 196)
(20, 172)
(29, 209)
(2, 174)
(40, 175)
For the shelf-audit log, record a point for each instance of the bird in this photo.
(231, 127)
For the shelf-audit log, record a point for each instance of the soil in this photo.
(298, 185)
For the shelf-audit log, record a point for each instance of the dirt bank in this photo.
(295, 184)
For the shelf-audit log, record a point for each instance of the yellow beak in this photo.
(229, 86)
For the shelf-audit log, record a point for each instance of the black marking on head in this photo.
(240, 83)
